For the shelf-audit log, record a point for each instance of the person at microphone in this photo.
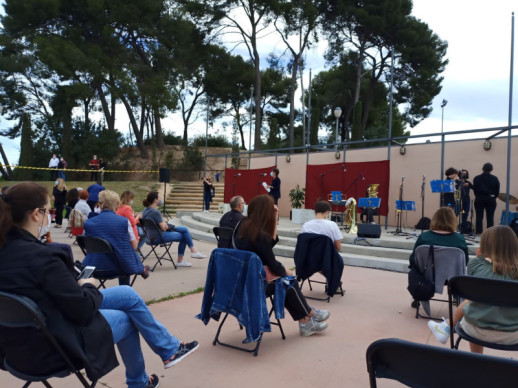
(465, 187)
(275, 187)
(448, 199)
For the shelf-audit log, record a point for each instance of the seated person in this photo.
(74, 309)
(258, 233)
(118, 232)
(72, 199)
(497, 258)
(169, 232)
(442, 233)
(82, 205)
(321, 225)
(231, 219)
(125, 210)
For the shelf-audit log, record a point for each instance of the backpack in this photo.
(76, 222)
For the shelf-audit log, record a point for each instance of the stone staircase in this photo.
(188, 196)
(388, 253)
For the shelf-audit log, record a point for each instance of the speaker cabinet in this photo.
(369, 230)
(164, 175)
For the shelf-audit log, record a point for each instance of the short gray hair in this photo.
(235, 201)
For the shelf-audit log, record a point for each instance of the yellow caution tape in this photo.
(75, 169)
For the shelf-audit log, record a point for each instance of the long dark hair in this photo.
(261, 219)
(151, 196)
(17, 202)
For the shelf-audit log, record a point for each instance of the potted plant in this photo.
(299, 215)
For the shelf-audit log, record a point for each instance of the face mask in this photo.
(45, 229)
(56, 183)
(272, 175)
(131, 202)
(160, 202)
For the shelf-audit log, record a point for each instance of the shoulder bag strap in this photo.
(234, 233)
(431, 253)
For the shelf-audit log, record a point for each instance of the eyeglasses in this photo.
(44, 211)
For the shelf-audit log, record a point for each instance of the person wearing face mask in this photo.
(59, 196)
(125, 210)
(74, 310)
(169, 232)
(275, 187)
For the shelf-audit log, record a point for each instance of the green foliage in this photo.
(212, 141)
(297, 197)
(26, 151)
(191, 164)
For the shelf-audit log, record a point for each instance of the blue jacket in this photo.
(316, 252)
(114, 229)
(236, 285)
(93, 192)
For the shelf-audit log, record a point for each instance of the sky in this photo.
(476, 80)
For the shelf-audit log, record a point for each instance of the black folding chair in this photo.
(100, 245)
(501, 293)
(20, 312)
(425, 366)
(223, 236)
(152, 229)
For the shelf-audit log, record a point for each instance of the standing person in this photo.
(275, 187)
(125, 210)
(102, 167)
(83, 319)
(93, 194)
(62, 166)
(321, 225)
(258, 233)
(53, 164)
(497, 258)
(72, 200)
(448, 199)
(217, 176)
(94, 166)
(486, 188)
(59, 197)
(169, 232)
(208, 190)
(465, 187)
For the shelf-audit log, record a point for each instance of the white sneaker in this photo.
(311, 327)
(440, 330)
(198, 255)
(183, 263)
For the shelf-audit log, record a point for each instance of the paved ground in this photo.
(376, 305)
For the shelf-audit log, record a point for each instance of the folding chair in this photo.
(448, 262)
(223, 236)
(425, 366)
(501, 293)
(20, 312)
(151, 228)
(223, 261)
(317, 253)
(100, 245)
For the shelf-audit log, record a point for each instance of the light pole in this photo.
(206, 137)
(443, 104)
(338, 113)
(250, 132)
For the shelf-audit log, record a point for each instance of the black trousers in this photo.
(489, 205)
(295, 302)
(59, 212)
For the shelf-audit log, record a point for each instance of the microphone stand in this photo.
(399, 212)
(355, 182)
(322, 181)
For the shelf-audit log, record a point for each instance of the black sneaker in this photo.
(153, 382)
(183, 351)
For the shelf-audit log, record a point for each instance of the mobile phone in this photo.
(86, 272)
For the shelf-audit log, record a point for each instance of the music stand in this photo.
(370, 203)
(442, 186)
(337, 201)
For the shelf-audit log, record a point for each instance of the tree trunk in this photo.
(7, 173)
(106, 108)
(158, 129)
(293, 85)
(136, 132)
(258, 116)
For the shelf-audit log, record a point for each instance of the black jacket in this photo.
(486, 186)
(316, 252)
(45, 274)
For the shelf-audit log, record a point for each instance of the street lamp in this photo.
(338, 113)
(443, 104)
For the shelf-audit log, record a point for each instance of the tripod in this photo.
(164, 211)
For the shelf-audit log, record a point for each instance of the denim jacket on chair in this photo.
(236, 285)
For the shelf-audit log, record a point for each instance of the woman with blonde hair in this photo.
(497, 258)
(125, 210)
(442, 233)
(59, 197)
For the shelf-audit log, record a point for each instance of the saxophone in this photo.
(350, 215)
(372, 190)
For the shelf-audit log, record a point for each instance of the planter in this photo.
(299, 216)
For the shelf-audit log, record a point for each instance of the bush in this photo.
(212, 141)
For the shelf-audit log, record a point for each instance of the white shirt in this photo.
(83, 207)
(53, 162)
(325, 227)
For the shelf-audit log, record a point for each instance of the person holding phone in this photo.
(74, 309)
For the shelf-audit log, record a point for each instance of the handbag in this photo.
(419, 286)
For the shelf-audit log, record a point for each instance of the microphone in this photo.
(363, 178)
(263, 174)
(237, 175)
(343, 167)
(424, 177)
(403, 178)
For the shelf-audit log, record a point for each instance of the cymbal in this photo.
(512, 199)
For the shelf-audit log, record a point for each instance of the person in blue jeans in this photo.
(169, 232)
(75, 310)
